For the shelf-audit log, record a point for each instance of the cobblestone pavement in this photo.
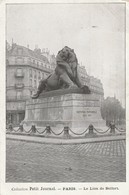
(91, 162)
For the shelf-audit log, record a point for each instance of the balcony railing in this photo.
(21, 75)
(15, 98)
(19, 86)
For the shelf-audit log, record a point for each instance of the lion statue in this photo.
(65, 74)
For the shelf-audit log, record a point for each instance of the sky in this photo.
(96, 32)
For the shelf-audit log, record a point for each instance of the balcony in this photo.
(16, 99)
(19, 75)
(19, 85)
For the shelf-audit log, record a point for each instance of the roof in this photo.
(26, 52)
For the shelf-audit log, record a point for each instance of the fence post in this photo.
(10, 127)
(48, 130)
(21, 128)
(66, 132)
(33, 129)
(91, 129)
(112, 127)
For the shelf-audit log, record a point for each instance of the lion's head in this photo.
(68, 54)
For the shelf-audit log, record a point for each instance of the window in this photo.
(30, 82)
(19, 95)
(29, 60)
(35, 83)
(19, 51)
(19, 72)
(35, 74)
(19, 60)
(39, 75)
(21, 117)
(30, 72)
(14, 118)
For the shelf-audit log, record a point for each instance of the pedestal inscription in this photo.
(73, 110)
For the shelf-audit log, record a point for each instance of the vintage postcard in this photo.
(64, 97)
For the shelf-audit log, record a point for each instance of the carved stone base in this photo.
(64, 108)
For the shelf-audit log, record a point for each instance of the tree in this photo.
(112, 111)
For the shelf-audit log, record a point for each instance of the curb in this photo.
(47, 140)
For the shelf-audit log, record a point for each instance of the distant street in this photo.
(90, 162)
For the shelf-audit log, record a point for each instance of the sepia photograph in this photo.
(65, 93)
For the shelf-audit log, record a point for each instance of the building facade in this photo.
(92, 82)
(24, 69)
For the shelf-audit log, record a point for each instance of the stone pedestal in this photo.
(64, 108)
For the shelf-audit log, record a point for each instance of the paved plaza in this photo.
(89, 162)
